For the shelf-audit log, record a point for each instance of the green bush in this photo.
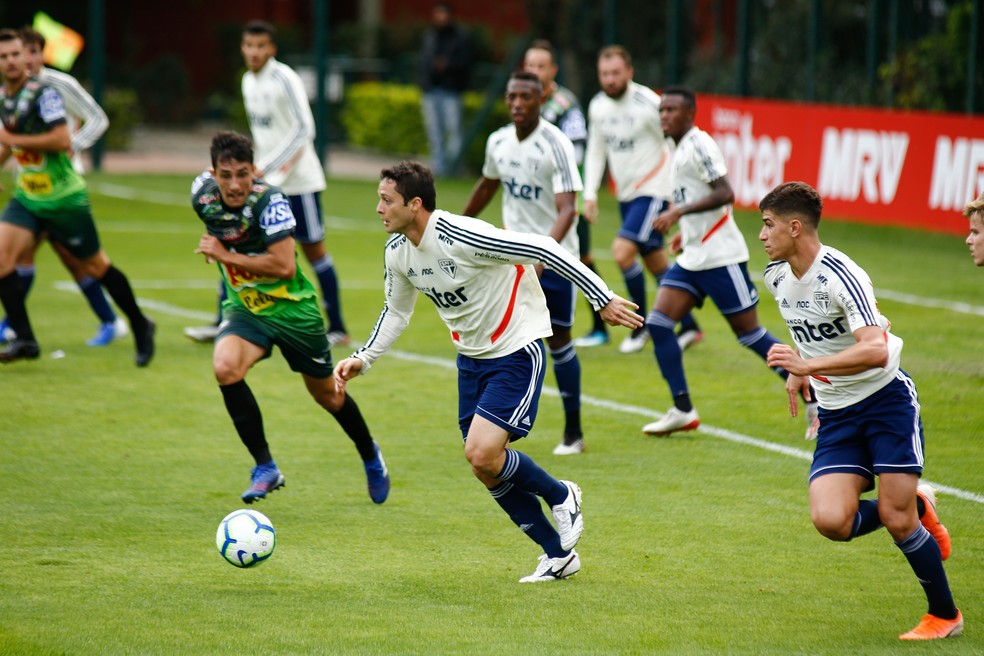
(123, 109)
(386, 117)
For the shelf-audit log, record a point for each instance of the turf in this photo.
(115, 478)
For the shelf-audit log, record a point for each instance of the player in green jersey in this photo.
(269, 302)
(51, 197)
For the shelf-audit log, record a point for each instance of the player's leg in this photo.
(434, 126)
(237, 348)
(497, 402)
(310, 234)
(25, 271)
(657, 263)
(109, 327)
(598, 335)
(835, 509)
(561, 299)
(305, 347)
(18, 237)
(453, 112)
(674, 299)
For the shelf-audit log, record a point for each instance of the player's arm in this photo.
(721, 194)
(482, 193)
(870, 351)
(57, 139)
(84, 108)
(279, 260)
(594, 168)
(288, 150)
(566, 202)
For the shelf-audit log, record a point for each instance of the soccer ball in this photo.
(246, 538)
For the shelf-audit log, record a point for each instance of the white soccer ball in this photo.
(246, 538)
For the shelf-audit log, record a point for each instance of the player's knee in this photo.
(659, 326)
(226, 373)
(900, 523)
(833, 526)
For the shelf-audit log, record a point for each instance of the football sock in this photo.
(567, 369)
(520, 470)
(26, 275)
(599, 325)
(687, 322)
(526, 512)
(572, 425)
(119, 289)
(866, 520)
(97, 299)
(923, 554)
(635, 284)
(12, 296)
(761, 340)
(350, 419)
(324, 268)
(683, 403)
(668, 353)
(246, 417)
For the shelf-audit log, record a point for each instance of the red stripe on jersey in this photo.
(822, 379)
(652, 174)
(520, 269)
(455, 336)
(716, 227)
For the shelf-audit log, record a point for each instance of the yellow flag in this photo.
(62, 44)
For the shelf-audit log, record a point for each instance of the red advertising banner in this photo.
(915, 169)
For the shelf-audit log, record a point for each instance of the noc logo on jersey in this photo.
(448, 267)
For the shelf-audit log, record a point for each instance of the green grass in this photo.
(114, 480)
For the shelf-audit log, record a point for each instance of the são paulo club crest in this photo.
(448, 267)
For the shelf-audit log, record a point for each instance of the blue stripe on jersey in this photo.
(560, 157)
(524, 250)
(298, 136)
(645, 101)
(853, 286)
(772, 265)
(705, 158)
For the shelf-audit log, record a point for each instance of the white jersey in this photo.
(481, 281)
(532, 172)
(282, 124)
(711, 239)
(627, 132)
(822, 310)
(87, 120)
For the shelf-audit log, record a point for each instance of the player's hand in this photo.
(211, 248)
(781, 355)
(591, 211)
(676, 244)
(797, 386)
(667, 220)
(346, 370)
(619, 312)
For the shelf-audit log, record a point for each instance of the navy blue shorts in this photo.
(638, 215)
(505, 391)
(307, 212)
(882, 434)
(560, 295)
(729, 286)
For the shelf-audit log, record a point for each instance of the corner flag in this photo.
(62, 44)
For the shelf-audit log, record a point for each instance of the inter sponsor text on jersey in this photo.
(532, 171)
(822, 310)
(711, 239)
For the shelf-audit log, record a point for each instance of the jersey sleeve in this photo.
(293, 103)
(594, 157)
(82, 107)
(575, 127)
(566, 176)
(276, 219)
(51, 107)
(401, 296)
(707, 158)
(489, 169)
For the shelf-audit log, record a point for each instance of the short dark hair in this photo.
(543, 44)
(413, 180)
(794, 198)
(31, 36)
(10, 35)
(688, 95)
(228, 145)
(526, 76)
(260, 27)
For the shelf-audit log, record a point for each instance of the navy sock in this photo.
(93, 293)
(567, 369)
(223, 295)
(924, 557)
(324, 268)
(866, 520)
(246, 417)
(668, 353)
(526, 512)
(760, 341)
(599, 325)
(520, 470)
(635, 284)
(350, 418)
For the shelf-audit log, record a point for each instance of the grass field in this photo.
(115, 478)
